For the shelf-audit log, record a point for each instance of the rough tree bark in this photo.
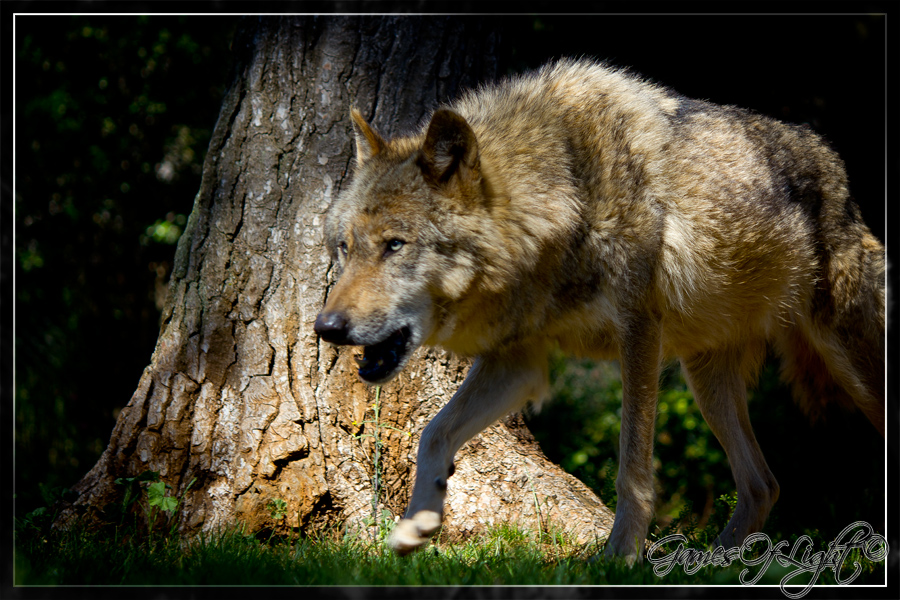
(240, 393)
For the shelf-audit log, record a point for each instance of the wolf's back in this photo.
(735, 200)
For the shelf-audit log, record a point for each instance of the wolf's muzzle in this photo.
(379, 362)
(332, 327)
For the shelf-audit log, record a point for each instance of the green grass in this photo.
(505, 556)
(135, 542)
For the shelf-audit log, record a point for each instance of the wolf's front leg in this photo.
(640, 354)
(496, 386)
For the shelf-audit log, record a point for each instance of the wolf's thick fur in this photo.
(583, 208)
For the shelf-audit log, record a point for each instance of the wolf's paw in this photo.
(410, 534)
(608, 556)
(625, 554)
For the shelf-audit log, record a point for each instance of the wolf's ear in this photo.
(368, 142)
(450, 148)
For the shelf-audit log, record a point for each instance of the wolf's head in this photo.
(401, 237)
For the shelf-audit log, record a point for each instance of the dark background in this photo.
(113, 115)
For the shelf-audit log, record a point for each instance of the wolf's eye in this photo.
(343, 248)
(394, 245)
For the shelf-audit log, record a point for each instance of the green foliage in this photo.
(687, 523)
(148, 487)
(131, 493)
(110, 142)
(383, 523)
(277, 508)
(156, 497)
(165, 231)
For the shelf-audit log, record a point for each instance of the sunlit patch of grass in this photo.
(505, 556)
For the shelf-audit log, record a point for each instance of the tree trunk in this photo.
(240, 393)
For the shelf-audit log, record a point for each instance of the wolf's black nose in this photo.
(332, 327)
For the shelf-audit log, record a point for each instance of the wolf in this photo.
(583, 208)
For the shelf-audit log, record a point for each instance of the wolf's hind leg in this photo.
(495, 386)
(718, 380)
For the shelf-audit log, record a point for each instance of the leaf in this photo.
(156, 496)
(148, 475)
(156, 492)
(169, 504)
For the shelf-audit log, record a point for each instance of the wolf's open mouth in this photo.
(379, 360)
